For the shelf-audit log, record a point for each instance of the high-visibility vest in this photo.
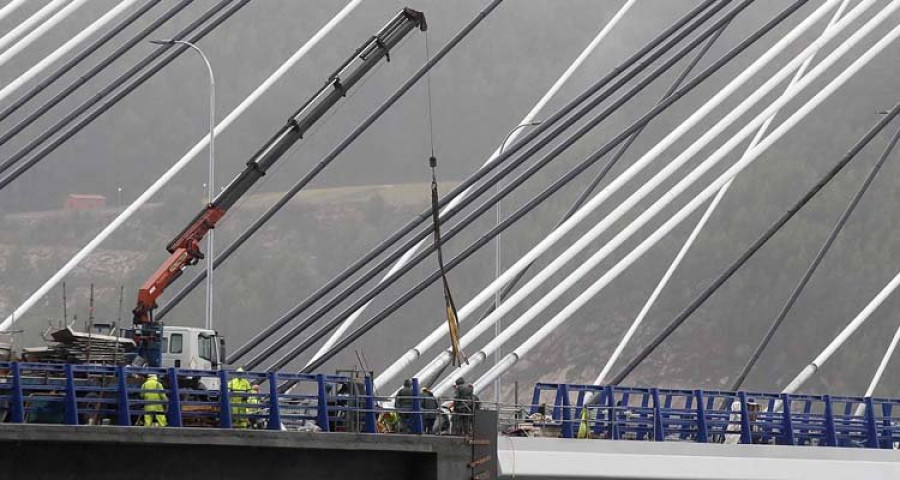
(151, 391)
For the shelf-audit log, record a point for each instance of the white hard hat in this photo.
(240, 369)
(152, 375)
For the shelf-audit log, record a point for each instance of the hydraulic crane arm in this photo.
(184, 249)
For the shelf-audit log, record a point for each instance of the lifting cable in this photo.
(458, 356)
(482, 172)
(519, 213)
(814, 264)
(234, 7)
(759, 243)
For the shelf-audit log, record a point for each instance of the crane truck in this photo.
(184, 249)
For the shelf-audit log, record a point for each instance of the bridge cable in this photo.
(813, 265)
(471, 180)
(695, 233)
(415, 352)
(90, 50)
(698, 301)
(506, 189)
(586, 266)
(111, 87)
(378, 318)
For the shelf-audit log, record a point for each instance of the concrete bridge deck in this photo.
(35, 452)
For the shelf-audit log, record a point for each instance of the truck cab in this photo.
(195, 349)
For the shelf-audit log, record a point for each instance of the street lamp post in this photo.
(497, 266)
(210, 184)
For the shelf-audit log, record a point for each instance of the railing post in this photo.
(274, 403)
(598, 416)
(174, 414)
(417, 426)
(557, 402)
(887, 439)
(224, 401)
(371, 418)
(659, 432)
(746, 429)
(830, 430)
(71, 399)
(702, 431)
(123, 410)
(563, 397)
(322, 403)
(871, 426)
(787, 423)
(18, 398)
(535, 399)
(613, 414)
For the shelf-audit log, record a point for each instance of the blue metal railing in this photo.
(97, 394)
(705, 416)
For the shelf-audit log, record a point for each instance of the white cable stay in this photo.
(39, 32)
(620, 347)
(178, 166)
(529, 118)
(842, 337)
(10, 8)
(443, 359)
(870, 390)
(67, 47)
(30, 22)
(695, 203)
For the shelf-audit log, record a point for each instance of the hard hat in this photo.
(152, 375)
(240, 369)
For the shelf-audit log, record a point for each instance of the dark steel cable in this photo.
(488, 185)
(469, 182)
(346, 142)
(178, 50)
(811, 269)
(586, 194)
(88, 51)
(499, 228)
(741, 260)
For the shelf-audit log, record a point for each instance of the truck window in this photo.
(205, 352)
(165, 345)
(176, 343)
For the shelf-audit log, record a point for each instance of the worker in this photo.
(403, 404)
(430, 409)
(465, 402)
(239, 387)
(152, 391)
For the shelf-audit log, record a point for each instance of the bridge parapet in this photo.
(707, 416)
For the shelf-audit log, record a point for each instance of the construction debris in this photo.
(71, 346)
